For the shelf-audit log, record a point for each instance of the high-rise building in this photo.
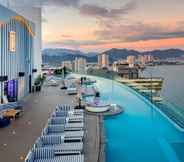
(67, 64)
(150, 58)
(103, 60)
(80, 65)
(131, 60)
(16, 54)
(143, 59)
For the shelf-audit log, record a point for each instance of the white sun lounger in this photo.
(69, 126)
(68, 108)
(69, 118)
(74, 126)
(57, 120)
(63, 120)
(58, 130)
(67, 114)
(57, 144)
(49, 155)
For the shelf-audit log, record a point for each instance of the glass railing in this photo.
(171, 110)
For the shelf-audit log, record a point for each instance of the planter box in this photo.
(38, 88)
(4, 122)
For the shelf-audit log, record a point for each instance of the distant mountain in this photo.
(164, 54)
(56, 56)
(116, 54)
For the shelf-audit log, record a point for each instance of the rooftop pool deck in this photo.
(142, 133)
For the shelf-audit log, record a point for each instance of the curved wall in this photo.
(20, 60)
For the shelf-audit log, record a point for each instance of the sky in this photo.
(98, 25)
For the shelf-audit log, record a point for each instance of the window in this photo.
(12, 41)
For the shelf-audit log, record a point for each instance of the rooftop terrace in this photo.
(19, 137)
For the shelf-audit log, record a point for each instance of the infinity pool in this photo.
(141, 133)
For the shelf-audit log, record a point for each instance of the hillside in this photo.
(56, 56)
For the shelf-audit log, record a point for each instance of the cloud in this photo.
(93, 10)
(139, 31)
(39, 3)
(156, 36)
(75, 43)
(66, 36)
(70, 3)
(123, 34)
(102, 12)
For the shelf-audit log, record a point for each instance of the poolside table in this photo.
(12, 113)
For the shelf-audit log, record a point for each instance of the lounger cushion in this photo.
(43, 153)
(75, 146)
(71, 158)
(50, 140)
(57, 120)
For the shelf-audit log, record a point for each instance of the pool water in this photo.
(141, 133)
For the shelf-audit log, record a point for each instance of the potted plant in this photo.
(39, 82)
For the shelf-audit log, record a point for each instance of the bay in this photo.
(173, 85)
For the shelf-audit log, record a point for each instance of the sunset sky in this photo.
(98, 25)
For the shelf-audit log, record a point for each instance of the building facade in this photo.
(16, 55)
(125, 71)
(131, 60)
(80, 65)
(103, 60)
(67, 64)
(32, 12)
(144, 59)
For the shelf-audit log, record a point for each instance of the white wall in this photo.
(35, 15)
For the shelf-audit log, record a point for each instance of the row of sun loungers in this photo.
(49, 155)
(62, 138)
(69, 109)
